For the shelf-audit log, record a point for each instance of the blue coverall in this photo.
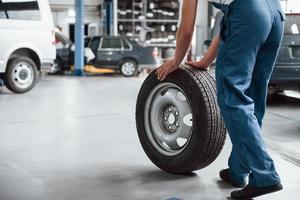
(251, 34)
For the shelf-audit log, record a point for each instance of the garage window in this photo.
(20, 10)
(111, 44)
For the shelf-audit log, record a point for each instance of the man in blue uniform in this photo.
(246, 51)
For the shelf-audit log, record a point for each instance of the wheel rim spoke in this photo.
(171, 143)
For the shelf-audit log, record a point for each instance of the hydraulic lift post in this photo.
(109, 18)
(79, 38)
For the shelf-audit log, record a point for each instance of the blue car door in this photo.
(109, 53)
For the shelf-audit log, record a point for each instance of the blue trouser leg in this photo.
(251, 35)
(263, 68)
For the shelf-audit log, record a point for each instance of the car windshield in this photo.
(292, 25)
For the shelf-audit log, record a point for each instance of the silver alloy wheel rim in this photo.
(168, 119)
(128, 68)
(22, 75)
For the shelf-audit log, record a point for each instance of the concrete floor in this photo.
(75, 139)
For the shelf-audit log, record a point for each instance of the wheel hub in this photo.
(23, 75)
(171, 119)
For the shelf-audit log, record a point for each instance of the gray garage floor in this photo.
(75, 139)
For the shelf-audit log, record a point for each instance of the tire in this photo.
(206, 135)
(129, 68)
(21, 74)
(58, 69)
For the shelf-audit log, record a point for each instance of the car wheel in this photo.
(179, 122)
(21, 74)
(129, 68)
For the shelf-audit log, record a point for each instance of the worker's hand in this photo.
(202, 64)
(166, 68)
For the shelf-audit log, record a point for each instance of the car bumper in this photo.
(286, 75)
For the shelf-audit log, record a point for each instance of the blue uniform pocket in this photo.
(223, 29)
(224, 25)
(282, 15)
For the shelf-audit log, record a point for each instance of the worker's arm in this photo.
(209, 56)
(183, 39)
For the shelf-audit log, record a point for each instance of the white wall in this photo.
(71, 2)
(63, 14)
(291, 6)
(201, 29)
(63, 19)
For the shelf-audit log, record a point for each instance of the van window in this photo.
(20, 10)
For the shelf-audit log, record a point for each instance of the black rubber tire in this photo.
(9, 83)
(129, 61)
(59, 66)
(209, 133)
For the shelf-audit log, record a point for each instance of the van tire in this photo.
(58, 67)
(208, 133)
(21, 74)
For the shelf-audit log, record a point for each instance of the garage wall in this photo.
(63, 19)
(64, 15)
(71, 2)
(291, 6)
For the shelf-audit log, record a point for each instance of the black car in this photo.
(286, 73)
(122, 54)
(65, 49)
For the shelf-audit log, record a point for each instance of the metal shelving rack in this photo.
(148, 23)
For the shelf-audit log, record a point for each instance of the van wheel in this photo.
(21, 74)
(129, 68)
(179, 122)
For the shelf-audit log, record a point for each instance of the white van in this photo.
(27, 42)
